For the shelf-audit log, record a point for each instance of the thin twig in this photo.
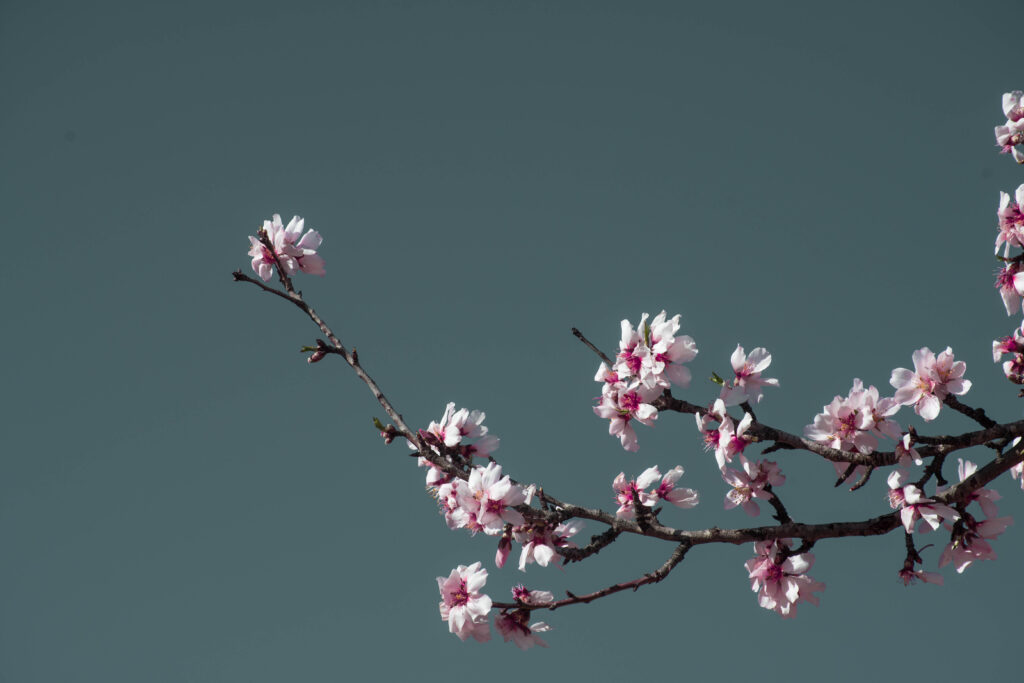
(606, 359)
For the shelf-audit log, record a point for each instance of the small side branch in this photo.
(654, 577)
(590, 345)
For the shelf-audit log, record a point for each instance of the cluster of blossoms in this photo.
(466, 609)
(780, 578)
(1011, 134)
(650, 359)
(1010, 278)
(853, 423)
(969, 536)
(293, 250)
(485, 502)
(629, 493)
(462, 431)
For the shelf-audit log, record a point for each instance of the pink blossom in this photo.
(1012, 133)
(933, 378)
(781, 579)
(293, 252)
(906, 453)
(1010, 283)
(913, 506)
(462, 605)
(1017, 472)
(513, 626)
(986, 498)
(666, 490)
(749, 483)
(669, 352)
(1013, 343)
(652, 355)
(624, 491)
(678, 496)
(1011, 221)
(732, 439)
(853, 423)
(528, 597)
(504, 548)
(748, 381)
(462, 430)
(1013, 107)
(704, 420)
(492, 498)
(969, 542)
(540, 539)
(623, 405)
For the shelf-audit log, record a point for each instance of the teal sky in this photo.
(184, 499)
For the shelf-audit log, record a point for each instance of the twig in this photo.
(579, 335)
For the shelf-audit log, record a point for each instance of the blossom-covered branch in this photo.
(473, 493)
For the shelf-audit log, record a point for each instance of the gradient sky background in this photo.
(184, 499)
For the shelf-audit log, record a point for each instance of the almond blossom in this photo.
(669, 352)
(540, 539)
(670, 493)
(986, 498)
(1017, 472)
(1011, 221)
(913, 506)
(1012, 133)
(462, 604)
(666, 490)
(969, 543)
(651, 355)
(513, 626)
(933, 378)
(625, 490)
(492, 498)
(294, 251)
(780, 579)
(1010, 283)
(462, 430)
(852, 423)
(906, 453)
(749, 482)
(728, 439)
(622, 406)
(732, 439)
(528, 597)
(748, 381)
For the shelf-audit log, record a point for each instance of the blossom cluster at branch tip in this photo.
(293, 250)
(780, 578)
(650, 359)
(462, 604)
(932, 379)
(1011, 134)
(666, 490)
